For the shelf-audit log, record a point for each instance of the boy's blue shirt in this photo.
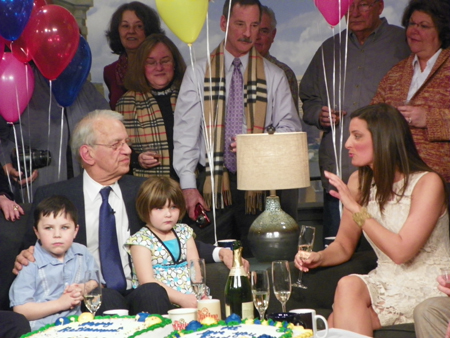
(45, 279)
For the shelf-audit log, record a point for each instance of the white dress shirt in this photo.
(189, 143)
(419, 77)
(92, 203)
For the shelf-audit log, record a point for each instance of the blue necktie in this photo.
(111, 264)
(234, 117)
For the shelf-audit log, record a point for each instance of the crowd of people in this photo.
(124, 202)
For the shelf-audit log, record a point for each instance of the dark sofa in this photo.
(319, 295)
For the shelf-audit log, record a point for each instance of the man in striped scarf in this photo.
(203, 124)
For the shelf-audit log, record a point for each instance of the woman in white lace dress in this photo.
(400, 205)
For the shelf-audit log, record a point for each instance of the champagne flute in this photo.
(92, 292)
(260, 291)
(197, 273)
(281, 281)
(305, 245)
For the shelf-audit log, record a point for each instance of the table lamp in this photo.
(273, 162)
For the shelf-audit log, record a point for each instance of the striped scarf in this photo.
(255, 104)
(145, 126)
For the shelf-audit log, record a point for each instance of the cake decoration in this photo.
(85, 317)
(62, 321)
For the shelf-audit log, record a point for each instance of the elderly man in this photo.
(241, 93)
(105, 198)
(266, 36)
(374, 46)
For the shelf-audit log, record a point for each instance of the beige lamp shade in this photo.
(272, 162)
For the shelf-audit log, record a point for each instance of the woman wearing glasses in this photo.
(419, 86)
(130, 24)
(153, 81)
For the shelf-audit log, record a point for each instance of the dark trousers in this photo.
(150, 297)
(331, 215)
(232, 221)
(13, 325)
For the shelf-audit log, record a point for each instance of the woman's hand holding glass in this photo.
(313, 261)
(305, 245)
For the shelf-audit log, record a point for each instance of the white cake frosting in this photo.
(154, 326)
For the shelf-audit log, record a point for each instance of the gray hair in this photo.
(267, 10)
(84, 133)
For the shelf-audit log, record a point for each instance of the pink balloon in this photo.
(333, 10)
(2, 48)
(16, 86)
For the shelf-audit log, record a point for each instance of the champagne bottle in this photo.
(238, 292)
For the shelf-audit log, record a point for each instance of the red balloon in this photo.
(16, 86)
(38, 4)
(20, 50)
(53, 39)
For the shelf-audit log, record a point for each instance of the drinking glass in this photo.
(197, 273)
(305, 245)
(92, 292)
(260, 291)
(281, 281)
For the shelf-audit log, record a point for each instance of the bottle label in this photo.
(247, 310)
(237, 271)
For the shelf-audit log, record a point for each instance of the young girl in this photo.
(160, 250)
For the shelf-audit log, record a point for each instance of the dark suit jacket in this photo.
(73, 190)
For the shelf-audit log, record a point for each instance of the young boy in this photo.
(51, 287)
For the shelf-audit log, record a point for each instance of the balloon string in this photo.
(23, 149)
(30, 196)
(61, 142)
(17, 159)
(207, 132)
(49, 114)
(330, 115)
(5, 159)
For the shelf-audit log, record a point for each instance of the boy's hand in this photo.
(68, 301)
(74, 291)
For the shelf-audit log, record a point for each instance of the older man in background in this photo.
(374, 46)
(265, 39)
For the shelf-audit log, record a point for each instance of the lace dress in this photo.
(396, 289)
(167, 269)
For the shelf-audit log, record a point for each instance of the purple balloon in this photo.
(14, 16)
(67, 86)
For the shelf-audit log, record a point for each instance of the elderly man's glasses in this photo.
(362, 7)
(152, 63)
(419, 25)
(115, 146)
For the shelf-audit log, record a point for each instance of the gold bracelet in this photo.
(361, 217)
